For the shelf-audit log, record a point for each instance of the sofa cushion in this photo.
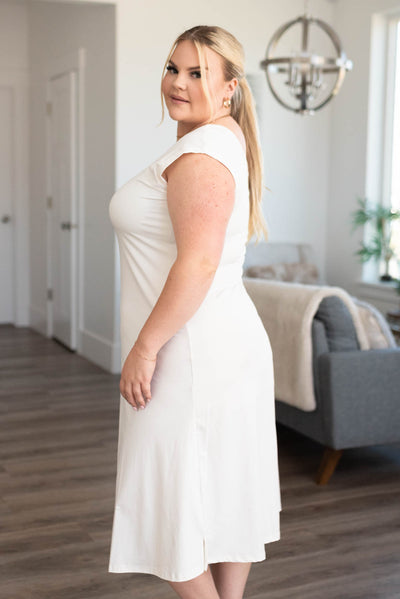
(320, 346)
(341, 334)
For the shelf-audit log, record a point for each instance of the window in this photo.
(391, 168)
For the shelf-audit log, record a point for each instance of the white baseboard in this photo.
(101, 351)
(93, 347)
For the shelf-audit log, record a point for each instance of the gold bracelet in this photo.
(144, 357)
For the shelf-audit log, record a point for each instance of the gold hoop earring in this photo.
(227, 103)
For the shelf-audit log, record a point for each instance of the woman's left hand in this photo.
(136, 376)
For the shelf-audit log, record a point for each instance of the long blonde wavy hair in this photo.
(242, 108)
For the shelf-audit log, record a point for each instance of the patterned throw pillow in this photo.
(375, 325)
(296, 272)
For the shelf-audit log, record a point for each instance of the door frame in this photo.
(72, 61)
(18, 82)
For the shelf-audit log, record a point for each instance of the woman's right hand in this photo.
(136, 376)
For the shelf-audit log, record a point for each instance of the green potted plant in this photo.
(381, 245)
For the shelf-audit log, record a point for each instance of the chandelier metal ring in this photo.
(305, 69)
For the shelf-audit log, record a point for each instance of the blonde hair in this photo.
(242, 108)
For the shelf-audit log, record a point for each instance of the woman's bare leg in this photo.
(230, 578)
(201, 587)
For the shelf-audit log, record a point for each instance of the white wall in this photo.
(13, 35)
(55, 30)
(348, 164)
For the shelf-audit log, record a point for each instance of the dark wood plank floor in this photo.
(58, 447)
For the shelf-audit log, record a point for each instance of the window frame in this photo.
(391, 99)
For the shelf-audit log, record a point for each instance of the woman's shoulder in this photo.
(217, 134)
(218, 141)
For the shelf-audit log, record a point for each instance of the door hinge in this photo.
(49, 108)
(49, 294)
(49, 201)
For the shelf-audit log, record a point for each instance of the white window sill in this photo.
(379, 284)
(385, 291)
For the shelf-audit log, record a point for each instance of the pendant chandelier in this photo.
(305, 80)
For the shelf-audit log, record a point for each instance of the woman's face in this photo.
(183, 80)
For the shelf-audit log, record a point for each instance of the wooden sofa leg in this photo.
(328, 464)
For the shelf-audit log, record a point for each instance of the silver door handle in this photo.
(68, 226)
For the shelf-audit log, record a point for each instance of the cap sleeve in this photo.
(214, 140)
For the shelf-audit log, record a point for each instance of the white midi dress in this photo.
(197, 470)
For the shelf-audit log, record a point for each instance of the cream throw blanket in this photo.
(287, 310)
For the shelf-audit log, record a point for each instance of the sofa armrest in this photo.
(359, 392)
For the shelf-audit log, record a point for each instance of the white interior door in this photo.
(63, 140)
(7, 266)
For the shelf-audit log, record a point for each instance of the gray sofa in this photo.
(357, 391)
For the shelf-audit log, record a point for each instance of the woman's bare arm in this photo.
(200, 196)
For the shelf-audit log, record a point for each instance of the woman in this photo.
(197, 478)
